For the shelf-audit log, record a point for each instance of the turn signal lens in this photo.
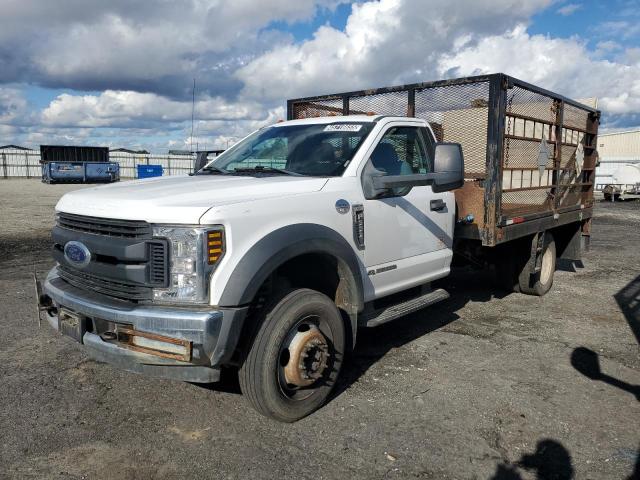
(215, 246)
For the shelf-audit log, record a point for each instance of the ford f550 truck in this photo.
(269, 258)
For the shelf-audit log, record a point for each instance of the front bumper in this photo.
(212, 334)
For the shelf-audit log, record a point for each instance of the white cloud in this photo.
(391, 41)
(562, 65)
(124, 108)
(134, 117)
(155, 45)
(13, 106)
(141, 58)
(620, 28)
(569, 9)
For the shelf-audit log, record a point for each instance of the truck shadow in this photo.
(374, 343)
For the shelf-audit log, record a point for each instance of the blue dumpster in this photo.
(148, 171)
(77, 172)
(70, 164)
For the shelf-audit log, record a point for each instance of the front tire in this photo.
(296, 356)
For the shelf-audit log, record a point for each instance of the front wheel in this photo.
(295, 358)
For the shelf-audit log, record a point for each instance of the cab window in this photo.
(402, 151)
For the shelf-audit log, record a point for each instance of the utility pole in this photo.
(193, 109)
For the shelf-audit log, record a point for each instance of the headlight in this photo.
(193, 254)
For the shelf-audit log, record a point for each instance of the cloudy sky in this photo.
(120, 72)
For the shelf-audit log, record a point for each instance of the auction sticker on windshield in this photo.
(343, 127)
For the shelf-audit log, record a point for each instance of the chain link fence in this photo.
(15, 163)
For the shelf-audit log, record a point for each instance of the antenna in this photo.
(193, 108)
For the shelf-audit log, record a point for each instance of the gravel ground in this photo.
(480, 386)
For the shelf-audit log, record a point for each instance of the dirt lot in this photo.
(481, 386)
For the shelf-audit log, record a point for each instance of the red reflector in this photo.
(518, 219)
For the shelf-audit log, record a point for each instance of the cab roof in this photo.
(331, 119)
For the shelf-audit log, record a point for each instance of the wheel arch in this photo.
(319, 245)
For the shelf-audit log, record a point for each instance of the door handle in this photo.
(437, 205)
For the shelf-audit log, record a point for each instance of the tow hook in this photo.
(107, 336)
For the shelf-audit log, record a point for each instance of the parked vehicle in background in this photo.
(271, 256)
(71, 164)
(625, 184)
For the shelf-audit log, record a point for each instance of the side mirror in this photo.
(448, 167)
(448, 174)
(201, 161)
(202, 158)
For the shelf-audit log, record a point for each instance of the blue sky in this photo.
(304, 30)
(120, 74)
(589, 20)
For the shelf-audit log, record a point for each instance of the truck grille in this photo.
(105, 226)
(126, 261)
(112, 288)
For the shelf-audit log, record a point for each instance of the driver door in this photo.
(408, 230)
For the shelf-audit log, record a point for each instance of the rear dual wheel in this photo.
(296, 356)
(515, 268)
(540, 283)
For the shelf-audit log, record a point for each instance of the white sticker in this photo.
(343, 127)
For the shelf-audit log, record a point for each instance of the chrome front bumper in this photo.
(213, 333)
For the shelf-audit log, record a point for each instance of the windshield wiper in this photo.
(266, 169)
(212, 169)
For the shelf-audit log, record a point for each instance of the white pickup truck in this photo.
(270, 257)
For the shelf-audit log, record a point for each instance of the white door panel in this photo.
(401, 227)
(408, 241)
(409, 272)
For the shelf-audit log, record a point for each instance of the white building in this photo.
(616, 150)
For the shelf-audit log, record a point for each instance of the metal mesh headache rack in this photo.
(529, 153)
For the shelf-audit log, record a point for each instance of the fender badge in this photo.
(342, 206)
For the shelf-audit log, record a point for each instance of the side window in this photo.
(402, 151)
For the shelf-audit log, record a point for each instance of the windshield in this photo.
(316, 150)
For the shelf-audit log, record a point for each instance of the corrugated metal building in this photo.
(17, 161)
(615, 150)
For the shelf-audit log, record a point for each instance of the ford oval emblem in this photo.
(342, 206)
(77, 254)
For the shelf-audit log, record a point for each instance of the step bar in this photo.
(393, 312)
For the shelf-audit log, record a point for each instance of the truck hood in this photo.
(180, 199)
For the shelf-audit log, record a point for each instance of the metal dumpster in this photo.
(70, 164)
(80, 172)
